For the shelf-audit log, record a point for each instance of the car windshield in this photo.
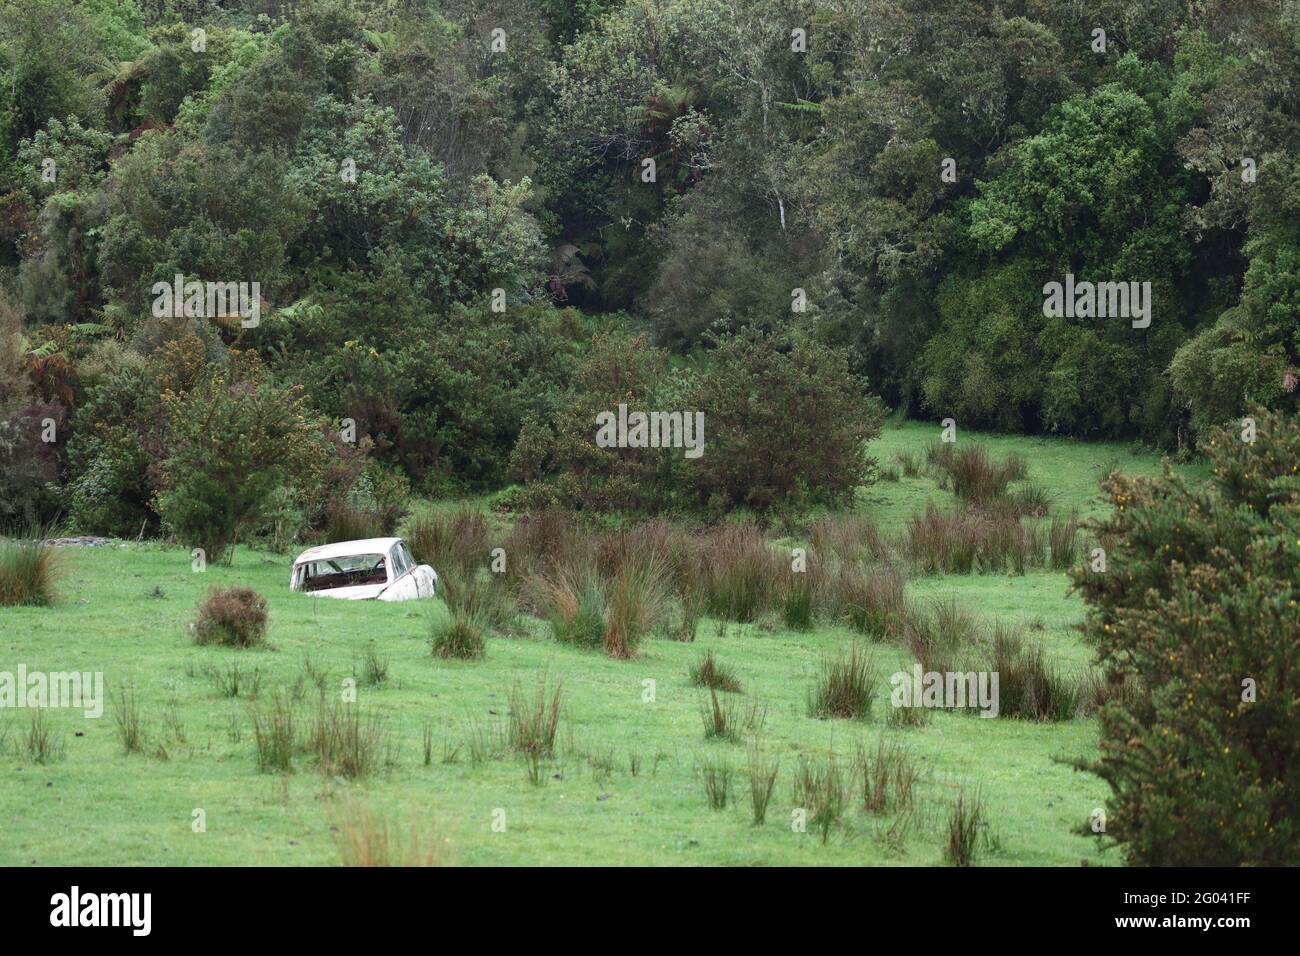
(344, 572)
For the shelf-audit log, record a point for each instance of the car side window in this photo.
(400, 566)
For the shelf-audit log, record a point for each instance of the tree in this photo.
(234, 438)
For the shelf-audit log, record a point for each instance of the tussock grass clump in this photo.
(849, 538)
(909, 462)
(973, 476)
(452, 542)
(615, 613)
(715, 773)
(965, 819)
(542, 542)
(738, 572)
(869, 599)
(345, 743)
(1063, 541)
(964, 542)
(127, 722)
(476, 603)
(637, 596)
(798, 599)
(845, 687)
(364, 838)
(535, 719)
(43, 744)
(721, 719)
(940, 634)
(233, 681)
(762, 781)
(275, 736)
(708, 671)
(1028, 686)
(821, 789)
(231, 617)
(374, 667)
(1096, 689)
(29, 570)
(888, 776)
(572, 600)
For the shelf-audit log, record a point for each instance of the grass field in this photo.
(625, 786)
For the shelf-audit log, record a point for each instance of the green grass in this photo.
(96, 805)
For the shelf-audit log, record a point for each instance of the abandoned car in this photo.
(380, 568)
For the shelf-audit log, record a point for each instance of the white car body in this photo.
(374, 568)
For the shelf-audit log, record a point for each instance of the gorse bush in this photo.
(233, 616)
(1198, 606)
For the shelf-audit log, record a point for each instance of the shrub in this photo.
(1199, 595)
(846, 686)
(29, 570)
(233, 617)
(787, 421)
(709, 672)
(233, 439)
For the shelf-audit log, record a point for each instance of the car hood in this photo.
(357, 593)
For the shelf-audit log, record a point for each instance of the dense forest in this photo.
(469, 227)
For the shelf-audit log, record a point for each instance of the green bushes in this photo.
(1199, 607)
(233, 616)
(785, 422)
